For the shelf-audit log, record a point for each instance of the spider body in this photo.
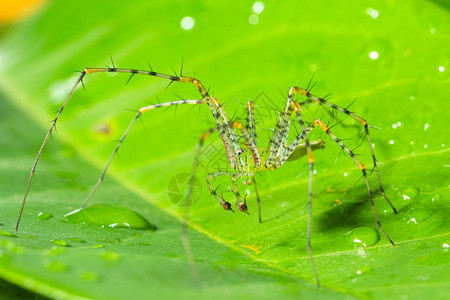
(240, 142)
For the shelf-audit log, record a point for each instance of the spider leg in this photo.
(225, 204)
(219, 114)
(257, 199)
(280, 135)
(314, 99)
(361, 166)
(311, 170)
(141, 111)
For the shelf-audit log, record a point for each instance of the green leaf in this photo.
(402, 89)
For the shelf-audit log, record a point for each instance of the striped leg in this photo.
(278, 142)
(311, 171)
(314, 99)
(229, 138)
(361, 166)
(139, 113)
(241, 204)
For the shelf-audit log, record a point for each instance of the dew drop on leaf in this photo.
(55, 266)
(89, 276)
(362, 237)
(60, 242)
(110, 255)
(7, 233)
(109, 216)
(42, 216)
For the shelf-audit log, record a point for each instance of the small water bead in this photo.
(441, 69)
(435, 197)
(253, 19)
(187, 23)
(109, 216)
(62, 243)
(44, 216)
(55, 266)
(110, 255)
(373, 13)
(54, 251)
(258, 7)
(98, 246)
(89, 276)
(362, 237)
(408, 193)
(373, 55)
(12, 247)
(7, 233)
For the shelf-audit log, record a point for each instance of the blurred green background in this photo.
(392, 56)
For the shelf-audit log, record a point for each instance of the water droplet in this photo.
(394, 126)
(54, 251)
(12, 247)
(408, 193)
(258, 7)
(433, 30)
(55, 266)
(27, 236)
(391, 142)
(109, 216)
(7, 233)
(110, 255)
(362, 236)
(412, 98)
(413, 220)
(60, 243)
(253, 19)
(98, 246)
(75, 239)
(373, 55)
(441, 69)
(372, 12)
(426, 126)
(187, 23)
(445, 246)
(89, 276)
(435, 197)
(399, 124)
(418, 215)
(345, 174)
(44, 216)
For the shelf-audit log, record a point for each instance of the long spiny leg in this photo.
(185, 234)
(229, 138)
(225, 204)
(293, 146)
(314, 99)
(361, 166)
(139, 113)
(33, 168)
(241, 204)
(310, 187)
(257, 199)
(251, 128)
(279, 138)
(222, 120)
(249, 142)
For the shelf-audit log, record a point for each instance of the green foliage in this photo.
(402, 92)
